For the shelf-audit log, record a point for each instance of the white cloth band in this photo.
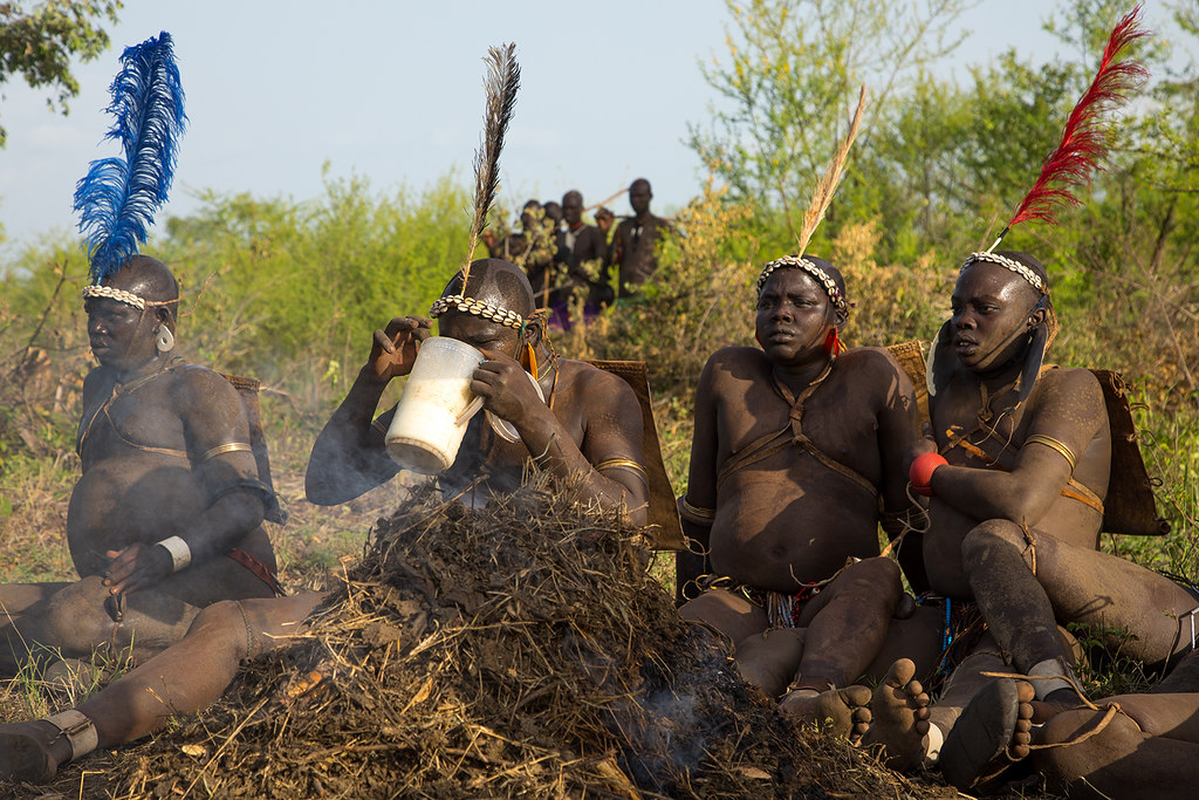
(932, 745)
(181, 554)
(1047, 669)
(79, 730)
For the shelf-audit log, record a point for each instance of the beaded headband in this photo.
(122, 296)
(1015, 266)
(797, 262)
(471, 305)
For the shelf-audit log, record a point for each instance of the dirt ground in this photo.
(517, 651)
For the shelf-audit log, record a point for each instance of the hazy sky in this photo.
(393, 92)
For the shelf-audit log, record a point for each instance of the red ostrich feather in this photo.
(1085, 140)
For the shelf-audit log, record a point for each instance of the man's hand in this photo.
(506, 389)
(394, 349)
(925, 444)
(136, 567)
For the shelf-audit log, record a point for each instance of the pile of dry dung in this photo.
(520, 650)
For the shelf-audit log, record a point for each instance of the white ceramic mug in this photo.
(436, 406)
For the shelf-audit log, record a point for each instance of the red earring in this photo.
(832, 344)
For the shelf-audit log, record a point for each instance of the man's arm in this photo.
(349, 456)
(697, 508)
(898, 428)
(612, 432)
(218, 433)
(1069, 410)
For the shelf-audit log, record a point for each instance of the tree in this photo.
(40, 42)
(791, 80)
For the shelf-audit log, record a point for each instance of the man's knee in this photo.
(877, 578)
(882, 572)
(224, 625)
(986, 539)
(727, 613)
(77, 618)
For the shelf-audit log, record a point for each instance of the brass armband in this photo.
(700, 516)
(1053, 444)
(627, 463)
(229, 447)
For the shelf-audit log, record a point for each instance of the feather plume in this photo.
(1085, 141)
(826, 187)
(118, 197)
(501, 84)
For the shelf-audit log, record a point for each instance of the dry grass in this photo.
(517, 651)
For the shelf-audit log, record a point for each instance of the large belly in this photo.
(775, 530)
(143, 498)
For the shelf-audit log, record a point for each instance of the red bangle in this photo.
(922, 469)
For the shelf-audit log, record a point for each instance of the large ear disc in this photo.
(1032, 364)
(940, 364)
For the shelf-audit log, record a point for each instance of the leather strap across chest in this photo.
(791, 434)
(115, 394)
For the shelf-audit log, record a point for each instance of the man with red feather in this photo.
(1017, 475)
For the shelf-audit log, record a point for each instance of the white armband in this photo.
(181, 554)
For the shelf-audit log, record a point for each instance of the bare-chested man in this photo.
(583, 249)
(587, 431)
(797, 449)
(167, 515)
(1016, 507)
(635, 240)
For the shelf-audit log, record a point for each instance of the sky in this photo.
(392, 91)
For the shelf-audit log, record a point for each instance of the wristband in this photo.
(922, 469)
(181, 554)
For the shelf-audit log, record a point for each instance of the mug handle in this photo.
(470, 411)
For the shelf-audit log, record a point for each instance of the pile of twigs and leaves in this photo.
(518, 650)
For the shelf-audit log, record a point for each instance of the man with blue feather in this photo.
(167, 515)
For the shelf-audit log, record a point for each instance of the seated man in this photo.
(797, 449)
(167, 515)
(588, 430)
(1016, 507)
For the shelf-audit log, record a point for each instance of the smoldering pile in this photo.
(521, 650)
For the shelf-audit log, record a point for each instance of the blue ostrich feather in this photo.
(118, 197)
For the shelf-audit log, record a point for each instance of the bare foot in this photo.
(900, 717)
(993, 731)
(32, 751)
(841, 712)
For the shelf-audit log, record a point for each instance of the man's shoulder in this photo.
(588, 376)
(738, 354)
(738, 363)
(200, 384)
(592, 383)
(1057, 382)
(870, 360)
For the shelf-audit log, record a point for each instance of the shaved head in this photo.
(149, 279)
(495, 281)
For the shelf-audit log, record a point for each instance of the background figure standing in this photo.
(583, 249)
(635, 239)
